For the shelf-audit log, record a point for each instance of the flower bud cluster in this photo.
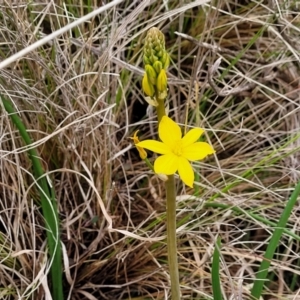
(156, 60)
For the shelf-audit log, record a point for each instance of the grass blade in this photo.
(48, 203)
(265, 264)
(215, 272)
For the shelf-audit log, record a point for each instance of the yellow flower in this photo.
(177, 151)
(142, 152)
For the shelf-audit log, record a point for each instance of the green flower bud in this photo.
(156, 60)
(148, 87)
(166, 60)
(152, 75)
(146, 60)
(154, 49)
(162, 81)
(157, 67)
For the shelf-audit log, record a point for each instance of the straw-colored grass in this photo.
(80, 97)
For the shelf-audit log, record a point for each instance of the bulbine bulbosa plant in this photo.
(177, 151)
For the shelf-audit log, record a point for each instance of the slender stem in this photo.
(171, 222)
(160, 109)
(49, 206)
(171, 237)
(148, 163)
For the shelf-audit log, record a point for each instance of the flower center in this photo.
(177, 150)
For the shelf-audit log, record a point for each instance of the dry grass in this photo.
(80, 98)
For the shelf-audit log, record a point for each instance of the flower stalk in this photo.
(154, 84)
(156, 60)
(176, 151)
(172, 237)
(160, 110)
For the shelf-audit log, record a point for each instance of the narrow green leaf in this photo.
(274, 242)
(48, 203)
(215, 272)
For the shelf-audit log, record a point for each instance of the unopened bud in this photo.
(148, 87)
(162, 81)
(156, 60)
(151, 73)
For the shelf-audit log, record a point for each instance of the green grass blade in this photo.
(48, 204)
(265, 264)
(215, 272)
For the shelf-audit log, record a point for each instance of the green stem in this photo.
(160, 109)
(171, 237)
(49, 206)
(148, 163)
(171, 221)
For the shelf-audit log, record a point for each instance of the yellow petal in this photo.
(169, 132)
(186, 172)
(191, 137)
(155, 146)
(166, 164)
(197, 151)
